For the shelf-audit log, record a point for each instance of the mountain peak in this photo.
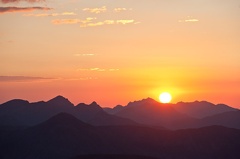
(60, 100)
(59, 97)
(91, 107)
(94, 104)
(143, 101)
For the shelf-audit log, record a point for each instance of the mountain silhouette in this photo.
(146, 112)
(23, 113)
(64, 119)
(60, 101)
(113, 110)
(151, 112)
(201, 109)
(178, 116)
(229, 119)
(64, 137)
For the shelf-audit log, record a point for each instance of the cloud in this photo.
(51, 15)
(121, 9)
(65, 21)
(97, 69)
(84, 54)
(68, 13)
(72, 21)
(96, 10)
(113, 69)
(91, 22)
(124, 21)
(189, 19)
(22, 78)
(81, 79)
(16, 1)
(109, 22)
(21, 9)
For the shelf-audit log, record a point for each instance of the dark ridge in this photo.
(16, 102)
(64, 119)
(113, 156)
(92, 106)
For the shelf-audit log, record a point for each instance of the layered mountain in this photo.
(147, 112)
(228, 119)
(151, 112)
(180, 115)
(20, 112)
(114, 110)
(65, 137)
(202, 109)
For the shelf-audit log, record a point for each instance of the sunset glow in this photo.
(113, 52)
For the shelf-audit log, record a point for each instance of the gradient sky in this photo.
(113, 52)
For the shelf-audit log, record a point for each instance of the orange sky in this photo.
(118, 51)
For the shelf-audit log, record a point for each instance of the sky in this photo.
(117, 51)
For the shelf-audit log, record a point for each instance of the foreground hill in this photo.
(64, 136)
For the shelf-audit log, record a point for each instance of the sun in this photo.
(165, 97)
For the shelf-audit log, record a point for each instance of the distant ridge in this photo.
(201, 109)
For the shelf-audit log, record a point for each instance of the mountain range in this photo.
(147, 112)
(144, 129)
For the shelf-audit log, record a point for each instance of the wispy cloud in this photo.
(14, 1)
(125, 21)
(65, 21)
(84, 54)
(189, 19)
(97, 69)
(96, 10)
(22, 79)
(72, 21)
(121, 9)
(82, 79)
(21, 9)
(91, 22)
(113, 69)
(109, 22)
(51, 14)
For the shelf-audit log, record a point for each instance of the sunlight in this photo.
(165, 97)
